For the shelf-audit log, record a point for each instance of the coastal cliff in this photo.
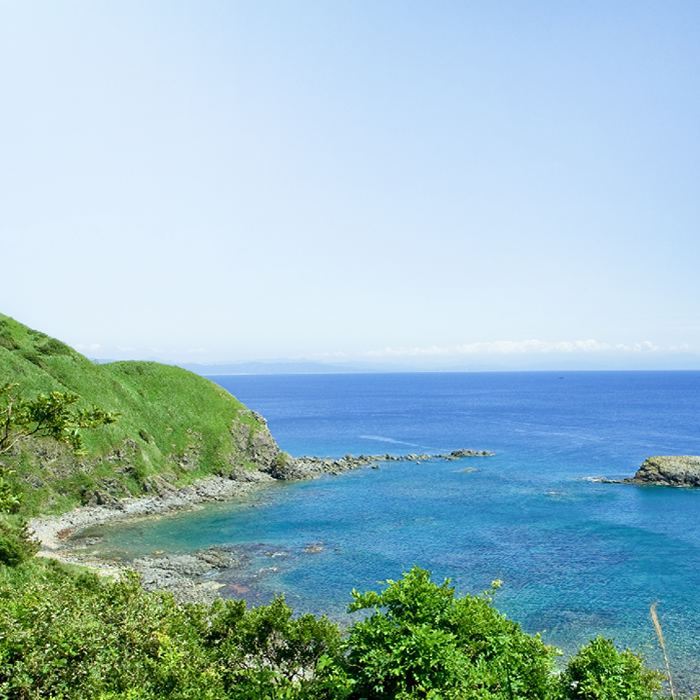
(683, 470)
(174, 429)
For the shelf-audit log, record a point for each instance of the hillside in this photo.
(174, 426)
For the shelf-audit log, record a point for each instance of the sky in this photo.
(441, 184)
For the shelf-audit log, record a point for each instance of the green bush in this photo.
(16, 542)
(77, 637)
(422, 642)
(266, 653)
(600, 672)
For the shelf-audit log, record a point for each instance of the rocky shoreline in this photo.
(297, 468)
(184, 575)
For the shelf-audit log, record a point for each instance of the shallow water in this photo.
(577, 558)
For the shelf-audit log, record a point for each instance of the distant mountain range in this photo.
(680, 361)
(290, 367)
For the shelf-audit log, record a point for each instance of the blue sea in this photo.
(577, 558)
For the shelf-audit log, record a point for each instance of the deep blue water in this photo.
(577, 558)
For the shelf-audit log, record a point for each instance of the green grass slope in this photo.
(174, 425)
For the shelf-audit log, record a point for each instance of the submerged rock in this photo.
(184, 575)
(681, 470)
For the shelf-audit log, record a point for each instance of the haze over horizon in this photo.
(409, 184)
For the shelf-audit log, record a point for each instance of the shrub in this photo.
(16, 542)
(267, 653)
(422, 642)
(600, 672)
(76, 637)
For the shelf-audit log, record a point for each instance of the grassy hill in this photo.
(174, 424)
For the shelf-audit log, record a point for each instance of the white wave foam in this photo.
(386, 439)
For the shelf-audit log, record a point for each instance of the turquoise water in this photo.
(577, 558)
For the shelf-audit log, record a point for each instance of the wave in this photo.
(386, 439)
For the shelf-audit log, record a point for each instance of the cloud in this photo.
(92, 346)
(338, 355)
(522, 347)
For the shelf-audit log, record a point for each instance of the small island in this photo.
(680, 471)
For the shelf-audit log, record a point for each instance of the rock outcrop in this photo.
(254, 442)
(683, 470)
(287, 468)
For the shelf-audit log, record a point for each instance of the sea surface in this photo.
(577, 558)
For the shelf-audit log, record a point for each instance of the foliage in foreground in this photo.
(421, 640)
(71, 635)
(600, 671)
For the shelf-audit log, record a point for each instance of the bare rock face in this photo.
(262, 448)
(668, 471)
(254, 444)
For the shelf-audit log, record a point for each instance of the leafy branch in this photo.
(53, 415)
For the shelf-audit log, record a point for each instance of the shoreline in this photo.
(178, 574)
(54, 532)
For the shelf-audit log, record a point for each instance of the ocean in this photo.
(577, 558)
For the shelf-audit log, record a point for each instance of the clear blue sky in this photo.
(450, 182)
